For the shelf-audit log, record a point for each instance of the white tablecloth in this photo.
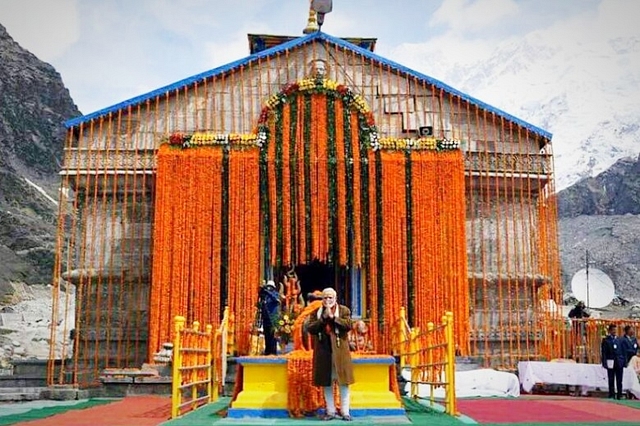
(575, 374)
(474, 383)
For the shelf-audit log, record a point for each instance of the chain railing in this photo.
(430, 356)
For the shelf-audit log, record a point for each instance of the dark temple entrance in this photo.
(317, 275)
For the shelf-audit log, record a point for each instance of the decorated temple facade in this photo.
(312, 154)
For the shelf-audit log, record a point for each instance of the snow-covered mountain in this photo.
(585, 92)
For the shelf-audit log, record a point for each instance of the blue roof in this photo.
(323, 37)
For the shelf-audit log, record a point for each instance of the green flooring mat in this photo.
(24, 412)
(565, 424)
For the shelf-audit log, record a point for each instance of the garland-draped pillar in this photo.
(206, 239)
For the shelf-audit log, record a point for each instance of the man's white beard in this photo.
(330, 303)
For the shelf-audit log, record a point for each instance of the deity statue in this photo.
(359, 340)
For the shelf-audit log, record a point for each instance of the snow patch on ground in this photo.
(42, 191)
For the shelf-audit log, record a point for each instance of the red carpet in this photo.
(575, 410)
(130, 411)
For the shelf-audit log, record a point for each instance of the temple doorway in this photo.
(317, 275)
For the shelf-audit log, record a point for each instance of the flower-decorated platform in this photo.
(281, 386)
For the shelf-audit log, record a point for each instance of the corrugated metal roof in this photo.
(317, 36)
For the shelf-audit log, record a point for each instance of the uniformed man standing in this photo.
(614, 360)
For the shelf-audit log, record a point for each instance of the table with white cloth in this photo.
(574, 374)
(484, 382)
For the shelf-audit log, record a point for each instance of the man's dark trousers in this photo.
(615, 373)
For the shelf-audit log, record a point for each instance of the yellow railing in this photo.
(430, 356)
(401, 337)
(199, 364)
(192, 382)
(220, 350)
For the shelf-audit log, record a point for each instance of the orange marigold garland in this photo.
(244, 240)
(178, 272)
(356, 154)
(160, 264)
(301, 184)
(271, 182)
(321, 164)
(298, 335)
(393, 235)
(286, 186)
(439, 240)
(372, 267)
(341, 185)
(439, 254)
(307, 398)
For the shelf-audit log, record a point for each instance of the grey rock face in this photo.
(614, 247)
(34, 103)
(602, 214)
(613, 192)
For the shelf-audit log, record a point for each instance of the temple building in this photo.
(315, 155)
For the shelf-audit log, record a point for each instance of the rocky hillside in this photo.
(602, 214)
(33, 105)
(615, 191)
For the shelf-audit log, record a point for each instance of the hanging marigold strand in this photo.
(215, 217)
(271, 182)
(301, 220)
(286, 185)
(232, 238)
(393, 202)
(341, 199)
(316, 121)
(298, 343)
(373, 258)
(357, 206)
(244, 240)
(202, 237)
(320, 119)
(159, 267)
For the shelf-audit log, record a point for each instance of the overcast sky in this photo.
(108, 51)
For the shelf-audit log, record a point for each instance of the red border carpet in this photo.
(524, 410)
(130, 411)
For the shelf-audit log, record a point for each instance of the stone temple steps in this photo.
(21, 394)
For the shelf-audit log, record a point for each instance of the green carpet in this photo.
(204, 416)
(564, 424)
(421, 414)
(41, 413)
(633, 403)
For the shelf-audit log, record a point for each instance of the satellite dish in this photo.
(593, 287)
